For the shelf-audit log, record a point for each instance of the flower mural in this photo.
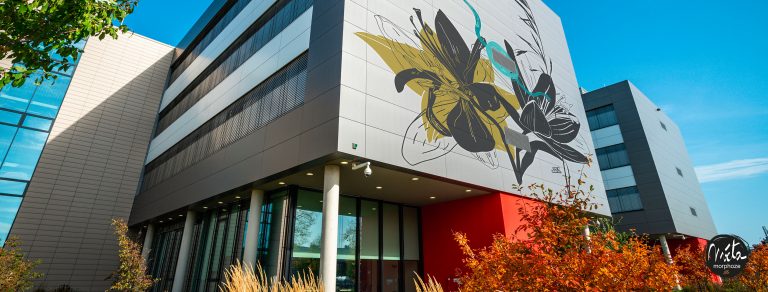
(461, 104)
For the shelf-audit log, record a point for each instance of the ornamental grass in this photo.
(243, 278)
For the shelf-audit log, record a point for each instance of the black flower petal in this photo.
(486, 95)
(469, 130)
(545, 93)
(407, 75)
(454, 50)
(532, 119)
(565, 128)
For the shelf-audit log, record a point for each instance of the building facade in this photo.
(352, 137)
(26, 115)
(73, 151)
(649, 179)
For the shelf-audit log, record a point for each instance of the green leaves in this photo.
(44, 35)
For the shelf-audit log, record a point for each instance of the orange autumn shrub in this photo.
(755, 275)
(694, 273)
(550, 252)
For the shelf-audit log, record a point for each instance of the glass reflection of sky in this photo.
(8, 208)
(26, 116)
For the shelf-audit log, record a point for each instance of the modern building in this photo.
(351, 138)
(649, 179)
(72, 154)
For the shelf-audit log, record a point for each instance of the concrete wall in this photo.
(386, 125)
(89, 170)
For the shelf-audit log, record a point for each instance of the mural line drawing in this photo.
(463, 101)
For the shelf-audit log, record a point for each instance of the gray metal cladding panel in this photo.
(655, 153)
(406, 102)
(89, 170)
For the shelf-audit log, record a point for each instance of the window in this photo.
(274, 97)
(601, 117)
(22, 157)
(261, 32)
(612, 156)
(12, 187)
(624, 200)
(693, 211)
(663, 126)
(217, 243)
(679, 172)
(37, 123)
(381, 238)
(8, 207)
(10, 118)
(187, 56)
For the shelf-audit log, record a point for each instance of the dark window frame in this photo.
(594, 114)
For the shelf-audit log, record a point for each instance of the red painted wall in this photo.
(698, 243)
(478, 217)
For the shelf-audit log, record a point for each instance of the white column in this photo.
(668, 257)
(330, 232)
(665, 248)
(252, 234)
(186, 243)
(588, 237)
(147, 247)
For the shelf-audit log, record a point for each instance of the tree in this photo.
(549, 252)
(16, 272)
(755, 275)
(131, 275)
(36, 32)
(694, 273)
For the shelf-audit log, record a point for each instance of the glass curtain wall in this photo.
(26, 115)
(218, 238)
(378, 243)
(164, 254)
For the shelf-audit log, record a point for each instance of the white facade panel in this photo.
(456, 133)
(242, 21)
(286, 46)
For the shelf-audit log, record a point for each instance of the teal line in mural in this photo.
(494, 50)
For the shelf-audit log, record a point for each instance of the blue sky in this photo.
(701, 61)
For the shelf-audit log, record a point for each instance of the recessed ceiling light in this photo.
(468, 191)
(181, 215)
(169, 218)
(237, 197)
(299, 206)
(223, 209)
(161, 221)
(281, 183)
(310, 174)
(221, 203)
(432, 198)
(374, 209)
(378, 188)
(205, 207)
(349, 213)
(415, 179)
(345, 162)
(321, 201)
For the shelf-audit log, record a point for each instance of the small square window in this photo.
(679, 172)
(663, 126)
(693, 212)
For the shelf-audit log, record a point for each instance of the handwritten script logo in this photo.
(727, 255)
